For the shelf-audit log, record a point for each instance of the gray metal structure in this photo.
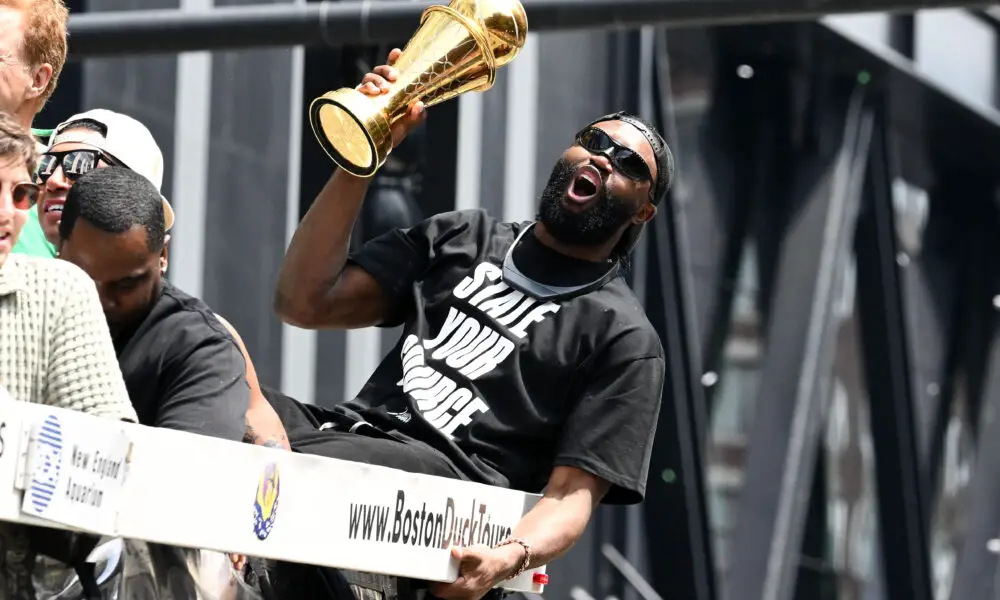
(824, 275)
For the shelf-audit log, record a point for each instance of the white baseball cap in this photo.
(125, 140)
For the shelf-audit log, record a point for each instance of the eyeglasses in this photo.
(628, 162)
(74, 163)
(25, 194)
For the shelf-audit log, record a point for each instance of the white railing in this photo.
(69, 470)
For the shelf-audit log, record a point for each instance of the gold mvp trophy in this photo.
(457, 49)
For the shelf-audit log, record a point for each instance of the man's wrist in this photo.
(517, 555)
(513, 555)
(345, 177)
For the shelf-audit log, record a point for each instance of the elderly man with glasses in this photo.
(55, 347)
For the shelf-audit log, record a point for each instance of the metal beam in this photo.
(931, 282)
(801, 343)
(958, 131)
(901, 482)
(976, 571)
(298, 346)
(678, 557)
(363, 22)
(190, 172)
(721, 210)
(680, 549)
(975, 574)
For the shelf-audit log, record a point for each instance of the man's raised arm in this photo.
(315, 290)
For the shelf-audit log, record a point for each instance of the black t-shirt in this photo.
(183, 370)
(507, 386)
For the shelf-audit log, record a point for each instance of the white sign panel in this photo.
(70, 470)
(310, 509)
(75, 471)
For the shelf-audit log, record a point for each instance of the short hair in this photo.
(114, 200)
(16, 143)
(44, 41)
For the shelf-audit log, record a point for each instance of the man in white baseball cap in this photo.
(93, 139)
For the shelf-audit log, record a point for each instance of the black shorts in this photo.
(316, 430)
(370, 446)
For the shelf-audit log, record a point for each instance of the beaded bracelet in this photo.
(527, 555)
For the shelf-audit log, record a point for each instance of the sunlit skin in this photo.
(58, 185)
(636, 192)
(12, 172)
(127, 273)
(21, 85)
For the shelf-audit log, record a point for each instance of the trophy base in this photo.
(353, 131)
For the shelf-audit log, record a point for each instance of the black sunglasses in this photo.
(25, 194)
(74, 163)
(627, 161)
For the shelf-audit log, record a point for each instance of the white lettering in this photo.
(431, 398)
(535, 316)
(512, 316)
(470, 284)
(440, 416)
(466, 332)
(494, 290)
(489, 359)
(486, 339)
(455, 317)
(414, 357)
(498, 307)
(470, 344)
(426, 378)
(464, 416)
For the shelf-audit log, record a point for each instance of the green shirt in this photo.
(32, 239)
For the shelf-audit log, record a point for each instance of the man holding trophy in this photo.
(525, 361)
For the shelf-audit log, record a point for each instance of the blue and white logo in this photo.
(49, 452)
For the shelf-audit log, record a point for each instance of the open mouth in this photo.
(5, 238)
(51, 211)
(586, 184)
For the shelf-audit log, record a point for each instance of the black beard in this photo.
(592, 227)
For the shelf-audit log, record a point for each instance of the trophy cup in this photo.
(456, 49)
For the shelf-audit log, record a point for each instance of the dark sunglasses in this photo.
(74, 163)
(625, 160)
(25, 194)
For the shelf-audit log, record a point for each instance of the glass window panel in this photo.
(958, 51)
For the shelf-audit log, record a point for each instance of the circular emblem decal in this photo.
(265, 506)
(46, 475)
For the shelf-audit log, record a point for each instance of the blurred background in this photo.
(824, 277)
